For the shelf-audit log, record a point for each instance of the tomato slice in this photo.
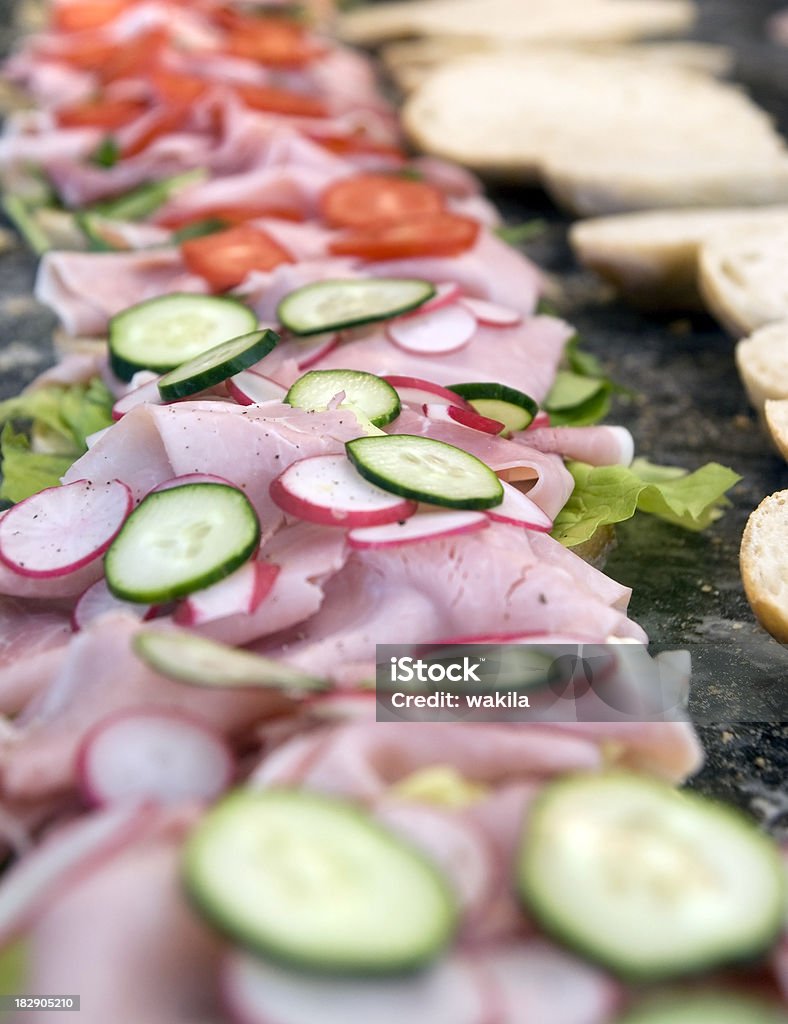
(225, 258)
(280, 101)
(82, 15)
(232, 215)
(100, 113)
(367, 200)
(177, 87)
(358, 143)
(162, 122)
(276, 42)
(443, 234)
(136, 56)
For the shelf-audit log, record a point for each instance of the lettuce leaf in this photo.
(65, 417)
(605, 495)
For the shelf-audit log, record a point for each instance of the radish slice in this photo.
(421, 527)
(60, 529)
(491, 314)
(250, 388)
(445, 295)
(153, 754)
(542, 639)
(326, 489)
(146, 394)
(312, 350)
(518, 509)
(467, 417)
(451, 992)
(458, 848)
(420, 392)
(542, 419)
(62, 858)
(443, 330)
(241, 593)
(191, 478)
(98, 600)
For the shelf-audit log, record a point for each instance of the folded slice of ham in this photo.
(30, 642)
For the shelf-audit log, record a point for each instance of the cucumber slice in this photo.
(373, 396)
(649, 881)
(146, 199)
(181, 540)
(706, 1008)
(315, 882)
(160, 334)
(193, 659)
(513, 408)
(426, 470)
(217, 364)
(332, 305)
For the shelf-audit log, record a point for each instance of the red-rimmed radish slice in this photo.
(467, 417)
(491, 314)
(458, 848)
(257, 992)
(442, 331)
(421, 527)
(542, 419)
(552, 639)
(60, 529)
(420, 392)
(518, 509)
(153, 754)
(241, 593)
(326, 489)
(60, 860)
(145, 394)
(445, 295)
(191, 478)
(310, 351)
(98, 600)
(250, 388)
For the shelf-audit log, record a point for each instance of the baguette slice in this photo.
(775, 413)
(654, 127)
(534, 21)
(744, 277)
(652, 257)
(763, 560)
(762, 362)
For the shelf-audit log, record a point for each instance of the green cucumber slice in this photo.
(374, 397)
(317, 883)
(706, 1008)
(195, 660)
(160, 334)
(181, 540)
(332, 305)
(649, 881)
(425, 470)
(146, 199)
(509, 406)
(217, 364)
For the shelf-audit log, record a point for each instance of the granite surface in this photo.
(688, 408)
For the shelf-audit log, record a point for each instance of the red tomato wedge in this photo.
(231, 215)
(370, 200)
(163, 122)
(444, 234)
(177, 86)
(107, 114)
(225, 258)
(280, 101)
(82, 15)
(276, 42)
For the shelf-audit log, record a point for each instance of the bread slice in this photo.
(775, 413)
(763, 560)
(744, 276)
(411, 62)
(640, 133)
(762, 362)
(652, 257)
(516, 20)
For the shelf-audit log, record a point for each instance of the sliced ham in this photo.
(599, 446)
(86, 289)
(30, 642)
